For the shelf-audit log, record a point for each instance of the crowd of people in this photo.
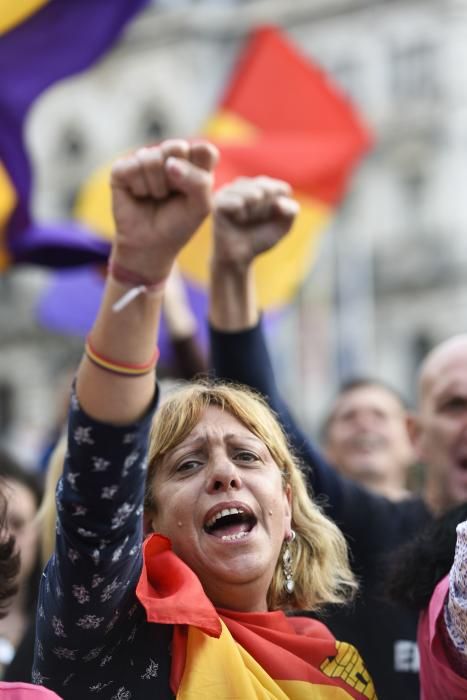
(205, 547)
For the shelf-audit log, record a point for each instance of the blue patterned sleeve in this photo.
(89, 583)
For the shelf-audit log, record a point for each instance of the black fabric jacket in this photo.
(384, 634)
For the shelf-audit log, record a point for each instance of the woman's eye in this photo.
(189, 465)
(245, 456)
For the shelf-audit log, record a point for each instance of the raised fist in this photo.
(250, 216)
(160, 195)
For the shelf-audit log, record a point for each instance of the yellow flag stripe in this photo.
(221, 669)
(301, 690)
(7, 202)
(94, 203)
(229, 127)
(7, 196)
(280, 271)
(13, 12)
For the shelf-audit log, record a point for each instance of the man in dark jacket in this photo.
(249, 219)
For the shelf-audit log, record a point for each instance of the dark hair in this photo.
(353, 384)
(11, 470)
(9, 560)
(418, 566)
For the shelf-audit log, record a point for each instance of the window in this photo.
(413, 71)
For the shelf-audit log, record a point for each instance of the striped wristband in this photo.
(122, 368)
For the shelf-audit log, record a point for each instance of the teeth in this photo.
(223, 514)
(230, 538)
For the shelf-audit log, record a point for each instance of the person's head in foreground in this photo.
(429, 575)
(225, 488)
(365, 437)
(9, 560)
(10, 565)
(419, 565)
(23, 492)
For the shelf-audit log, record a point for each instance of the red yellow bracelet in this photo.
(121, 368)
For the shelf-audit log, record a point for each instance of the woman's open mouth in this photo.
(230, 524)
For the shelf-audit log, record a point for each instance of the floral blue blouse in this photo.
(92, 635)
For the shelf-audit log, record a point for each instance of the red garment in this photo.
(295, 649)
(438, 679)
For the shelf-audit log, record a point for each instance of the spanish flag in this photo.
(280, 116)
(222, 654)
(41, 42)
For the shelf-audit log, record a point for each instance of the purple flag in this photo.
(62, 38)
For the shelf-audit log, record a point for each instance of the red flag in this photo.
(282, 116)
(302, 128)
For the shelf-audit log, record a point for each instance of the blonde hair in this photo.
(320, 561)
(47, 514)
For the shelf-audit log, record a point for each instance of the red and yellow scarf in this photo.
(230, 655)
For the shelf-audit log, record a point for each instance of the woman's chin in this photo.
(234, 569)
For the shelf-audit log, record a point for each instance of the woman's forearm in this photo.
(127, 337)
(232, 302)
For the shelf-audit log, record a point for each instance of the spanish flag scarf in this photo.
(229, 655)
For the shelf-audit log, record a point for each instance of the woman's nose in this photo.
(223, 476)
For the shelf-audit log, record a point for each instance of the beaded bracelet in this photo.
(139, 285)
(122, 368)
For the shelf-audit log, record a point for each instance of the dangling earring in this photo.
(289, 583)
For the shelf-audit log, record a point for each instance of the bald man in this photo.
(439, 427)
(250, 217)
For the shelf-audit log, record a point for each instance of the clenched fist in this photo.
(250, 216)
(160, 195)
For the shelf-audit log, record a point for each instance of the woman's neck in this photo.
(241, 598)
